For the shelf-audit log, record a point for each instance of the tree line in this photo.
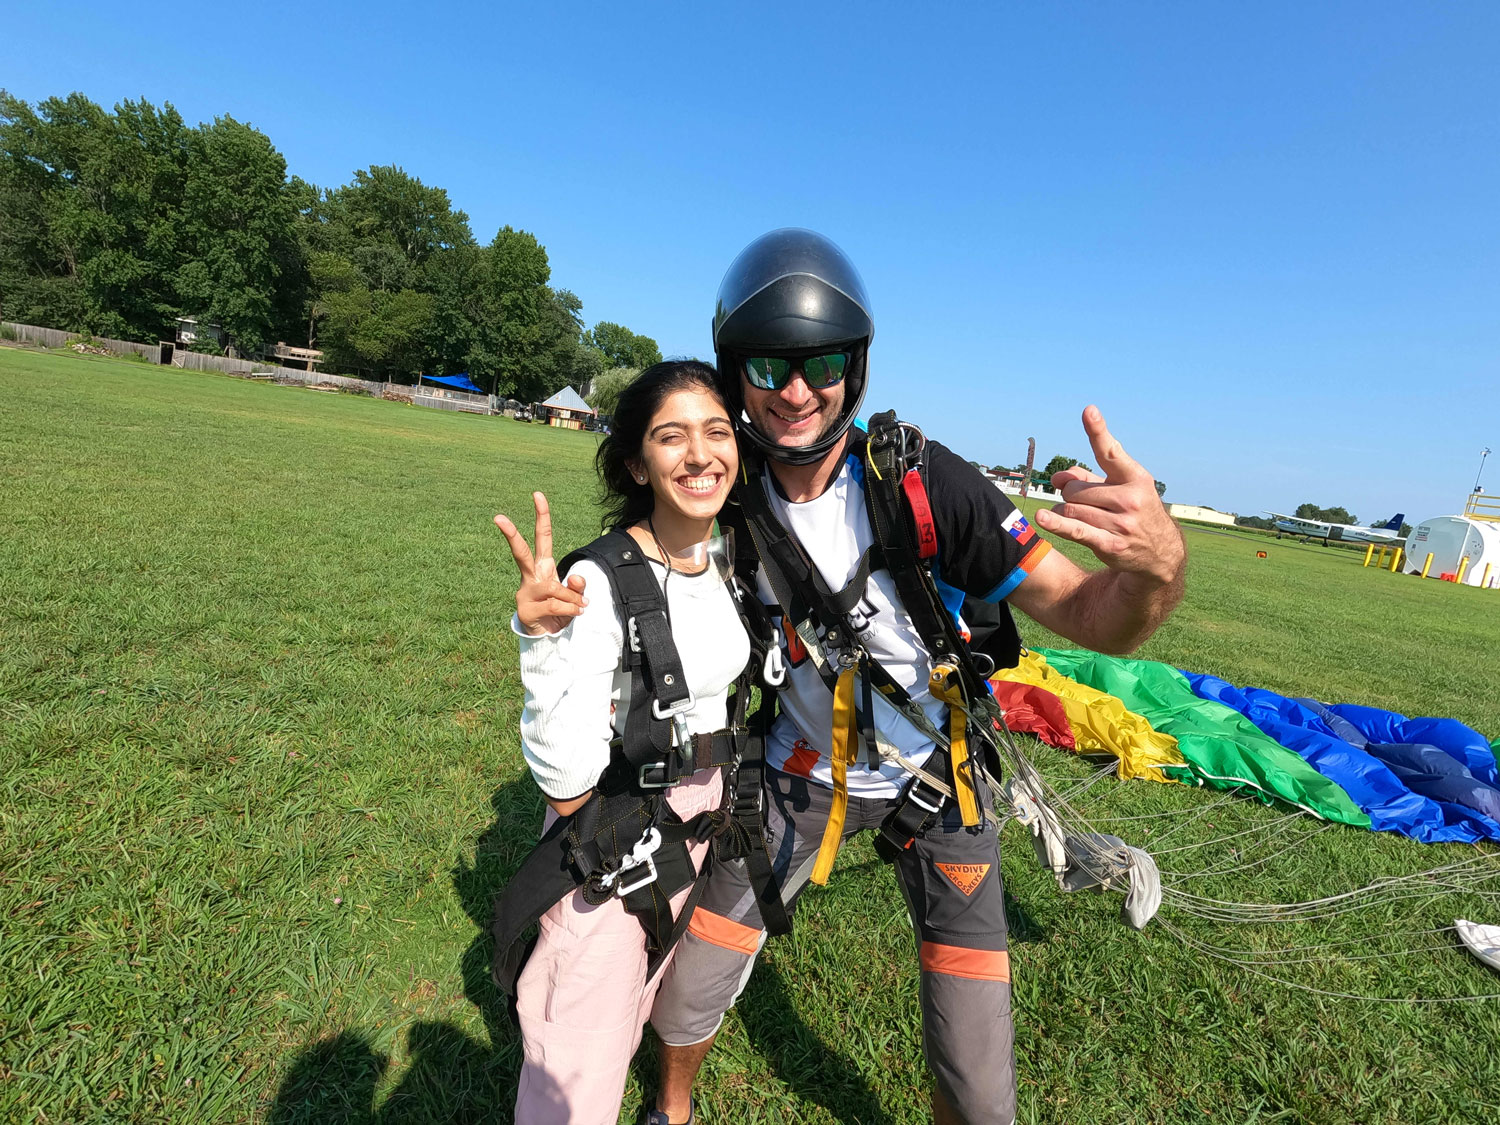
(118, 223)
(1060, 462)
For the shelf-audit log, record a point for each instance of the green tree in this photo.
(609, 386)
(457, 279)
(377, 330)
(569, 359)
(522, 324)
(85, 203)
(1161, 488)
(385, 207)
(1058, 464)
(382, 250)
(1326, 515)
(621, 347)
(238, 230)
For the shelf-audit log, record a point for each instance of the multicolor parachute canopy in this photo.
(1434, 780)
(1431, 780)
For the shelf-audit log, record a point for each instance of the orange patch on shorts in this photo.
(965, 876)
(974, 964)
(724, 932)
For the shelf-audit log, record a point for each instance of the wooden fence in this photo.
(455, 400)
(197, 361)
(319, 378)
(56, 338)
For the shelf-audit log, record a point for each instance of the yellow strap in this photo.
(943, 684)
(843, 745)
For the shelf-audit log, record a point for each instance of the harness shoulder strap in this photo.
(649, 653)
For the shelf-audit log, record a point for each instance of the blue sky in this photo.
(1264, 238)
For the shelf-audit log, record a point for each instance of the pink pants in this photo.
(584, 996)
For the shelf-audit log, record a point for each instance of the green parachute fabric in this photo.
(1222, 747)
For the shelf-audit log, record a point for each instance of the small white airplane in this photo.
(1388, 532)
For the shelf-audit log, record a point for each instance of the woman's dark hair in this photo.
(626, 500)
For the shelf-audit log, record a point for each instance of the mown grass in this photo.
(258, 706)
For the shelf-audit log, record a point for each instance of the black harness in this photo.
(905, 545)
(626, 841)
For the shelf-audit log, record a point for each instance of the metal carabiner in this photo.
(638, 856)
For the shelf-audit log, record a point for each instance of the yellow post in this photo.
(1395, 559)
(1485, 581)
(1426, 566)
(1370, 550)
(1463, 566)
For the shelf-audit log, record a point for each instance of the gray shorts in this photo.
(950, 878)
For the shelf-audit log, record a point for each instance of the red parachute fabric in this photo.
(1034, 710)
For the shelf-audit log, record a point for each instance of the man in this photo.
(791, 332)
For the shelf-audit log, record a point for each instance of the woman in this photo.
(666, 468)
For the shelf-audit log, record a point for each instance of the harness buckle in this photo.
(635, 635)
(745, 807)
(914, 795)
(638, 856)
(657, 778)
(673, 711)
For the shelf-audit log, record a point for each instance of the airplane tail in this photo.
(1394, 523)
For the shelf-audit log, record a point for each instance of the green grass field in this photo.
(258, 710)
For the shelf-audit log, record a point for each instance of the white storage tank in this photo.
(1451, 539)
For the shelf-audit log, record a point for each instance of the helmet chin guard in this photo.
(792, 292)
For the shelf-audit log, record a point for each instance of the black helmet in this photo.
(792, 292)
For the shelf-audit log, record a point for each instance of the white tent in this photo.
(567, 399)
(566, 410)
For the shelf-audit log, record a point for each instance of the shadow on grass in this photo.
(451, 1077)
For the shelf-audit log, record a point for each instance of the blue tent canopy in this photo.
(459, 382)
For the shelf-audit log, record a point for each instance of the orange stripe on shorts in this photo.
(724, 932)
(956, 961)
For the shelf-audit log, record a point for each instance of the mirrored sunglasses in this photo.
(771, 373)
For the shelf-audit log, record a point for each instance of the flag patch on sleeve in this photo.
(1019, 529)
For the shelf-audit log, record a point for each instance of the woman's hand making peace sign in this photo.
(543, 604)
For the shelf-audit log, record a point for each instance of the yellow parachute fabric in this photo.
(1100, 722)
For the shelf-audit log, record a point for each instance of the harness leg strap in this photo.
(943, 684)
(843, 747)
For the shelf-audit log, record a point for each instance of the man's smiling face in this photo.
(796, 415)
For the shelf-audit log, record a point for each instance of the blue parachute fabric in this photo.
(1371, 783)
(1423, 769)
(1434, 773)
(1449, 735)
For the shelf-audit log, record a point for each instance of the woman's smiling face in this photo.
(689, 455)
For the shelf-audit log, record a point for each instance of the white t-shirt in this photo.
(577, 699)
(986, 549)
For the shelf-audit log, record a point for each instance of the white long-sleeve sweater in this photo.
(577, 697)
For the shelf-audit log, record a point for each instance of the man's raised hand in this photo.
(1119, 516)
(543, 604)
